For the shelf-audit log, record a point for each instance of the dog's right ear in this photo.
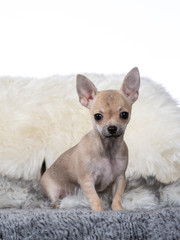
(86, 90)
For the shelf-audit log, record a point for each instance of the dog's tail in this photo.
(43, 167)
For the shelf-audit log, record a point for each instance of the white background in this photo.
(40, 38)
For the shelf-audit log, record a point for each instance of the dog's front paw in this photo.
(97, 207)
(55, 205)
(116, 206)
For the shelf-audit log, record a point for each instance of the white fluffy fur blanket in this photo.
(41, 118)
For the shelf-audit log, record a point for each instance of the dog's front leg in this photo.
(117, 192)
(91, 194)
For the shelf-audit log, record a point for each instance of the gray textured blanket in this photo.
(51, 224)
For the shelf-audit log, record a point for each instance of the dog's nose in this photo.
(112, 129)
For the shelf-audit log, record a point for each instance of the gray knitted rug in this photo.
(51, 224)
(153, 212)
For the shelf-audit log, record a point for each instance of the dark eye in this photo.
(124, 115)
(98, 117)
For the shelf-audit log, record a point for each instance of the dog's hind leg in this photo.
(53, 190)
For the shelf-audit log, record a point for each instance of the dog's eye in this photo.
(124, 115)
(98, 117)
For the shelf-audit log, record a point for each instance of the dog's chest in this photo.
(105, 173)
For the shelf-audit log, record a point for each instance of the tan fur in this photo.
(100, 159)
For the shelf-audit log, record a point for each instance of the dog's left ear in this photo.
(86, 90)
(131, 84)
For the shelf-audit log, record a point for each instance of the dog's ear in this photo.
(131, 84)
(86, 90)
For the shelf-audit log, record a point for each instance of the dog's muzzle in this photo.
(112, 131)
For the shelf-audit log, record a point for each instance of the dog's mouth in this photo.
(113, 135)
(111, 132)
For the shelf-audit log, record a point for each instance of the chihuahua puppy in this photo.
(100, 159)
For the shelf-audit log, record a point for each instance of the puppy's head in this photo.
(110, 109)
